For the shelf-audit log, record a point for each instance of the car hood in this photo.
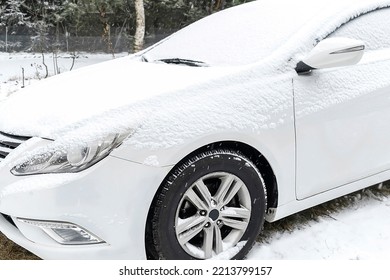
(47, 107)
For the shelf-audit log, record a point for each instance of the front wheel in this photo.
(211, 206)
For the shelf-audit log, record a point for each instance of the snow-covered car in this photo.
(183, 150)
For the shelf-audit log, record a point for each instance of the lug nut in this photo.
(207, 225)
(219, 222)
(203, 213)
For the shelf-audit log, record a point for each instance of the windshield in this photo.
(237, 36)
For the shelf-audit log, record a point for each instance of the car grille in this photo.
(8, 143)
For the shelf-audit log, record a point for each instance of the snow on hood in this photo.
(49, 107)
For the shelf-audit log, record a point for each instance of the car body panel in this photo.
(277, 146)
(336, 118)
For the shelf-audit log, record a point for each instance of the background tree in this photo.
(105, 25)
(140, 25)
(43, 14)
(11, 16)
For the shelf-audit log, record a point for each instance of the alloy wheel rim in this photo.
(213, 215)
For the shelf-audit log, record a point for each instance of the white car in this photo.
(183, 151)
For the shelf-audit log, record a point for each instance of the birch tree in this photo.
(140, 25)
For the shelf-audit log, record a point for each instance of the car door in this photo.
(343, 114)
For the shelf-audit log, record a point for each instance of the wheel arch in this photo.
(255, 156)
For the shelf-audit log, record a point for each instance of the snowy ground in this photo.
(13, 64)
(353, 227)
(356, 226)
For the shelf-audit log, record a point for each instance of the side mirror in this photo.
(332, 52)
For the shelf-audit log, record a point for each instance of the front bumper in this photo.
(111, 200)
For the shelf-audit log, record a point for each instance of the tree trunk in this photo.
(6, 38)
(140, 25)
(106, 36)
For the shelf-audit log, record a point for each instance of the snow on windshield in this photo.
(254, 31)
(242, 35)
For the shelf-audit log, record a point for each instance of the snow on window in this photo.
(372, 28)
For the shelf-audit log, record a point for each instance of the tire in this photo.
(211, 206)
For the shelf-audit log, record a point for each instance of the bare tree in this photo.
(140, 25)
(102, 7)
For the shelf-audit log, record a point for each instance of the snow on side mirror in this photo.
(332, 52)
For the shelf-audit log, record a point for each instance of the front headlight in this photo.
(69, 160)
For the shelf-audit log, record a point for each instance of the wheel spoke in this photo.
(187, 224)
(189, 234)
(235, 224)
(233, 191)
(196, 200)
(218, 240)
(204, 191)
(208, 241)
(224, 188)
(235, 212)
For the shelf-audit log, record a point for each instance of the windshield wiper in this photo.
(187, 62)
(144, 58)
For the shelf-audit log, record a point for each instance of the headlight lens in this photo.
(71, 160)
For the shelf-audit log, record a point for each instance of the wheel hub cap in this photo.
(214, 214)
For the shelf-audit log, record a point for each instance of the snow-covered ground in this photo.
(359, 231)
(12, 66)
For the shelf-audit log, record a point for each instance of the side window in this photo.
(372, 28)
